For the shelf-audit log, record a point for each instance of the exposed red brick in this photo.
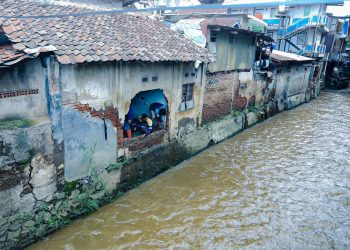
(138, 143)
(251, 101)
(240, 103)
(218, 96)
(109, 113)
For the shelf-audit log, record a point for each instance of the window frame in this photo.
(301, 41)
(273, 12)
(213, 36)
(231, 38)
(187, 96)
(307, 9)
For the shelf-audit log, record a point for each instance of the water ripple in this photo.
(283, 184)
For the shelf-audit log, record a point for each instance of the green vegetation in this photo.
(252, 109)
(81, 198)
(13, 123)
(236, 113)
(69, 186)
(116, 165)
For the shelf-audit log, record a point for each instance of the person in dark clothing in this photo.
(127, 128)
(158, 113)
(162, 118)
(131, 114)
(147, 125)
(155, 107)
(128, 120)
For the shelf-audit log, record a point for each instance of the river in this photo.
(282, 184)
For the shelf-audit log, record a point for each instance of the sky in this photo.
(340, 10)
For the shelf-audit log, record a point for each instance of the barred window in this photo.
(187, 97)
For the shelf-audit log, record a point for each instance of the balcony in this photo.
(315, 51)
(272, 21)
(299, 24)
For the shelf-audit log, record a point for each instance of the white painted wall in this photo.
(28, 75)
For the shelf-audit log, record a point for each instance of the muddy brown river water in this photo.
(283, 184)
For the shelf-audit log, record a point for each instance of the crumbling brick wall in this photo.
(219, 92)
(110, 113)
(139, 144)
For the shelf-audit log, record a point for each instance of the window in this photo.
(213, 35)
(273, 13)
(301, 38)
(231, 38)
(307, 11)
(154, 78)
(187, 97)
(144, 79)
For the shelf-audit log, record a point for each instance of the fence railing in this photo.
(319, 48)
(300, 23)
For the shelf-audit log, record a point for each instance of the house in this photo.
(337, 75)
(77, 76)
(295, 78)
(234, 79)
(296, 26)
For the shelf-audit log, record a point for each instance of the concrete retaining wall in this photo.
(39, 201)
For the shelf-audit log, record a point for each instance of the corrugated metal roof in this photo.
(222, 21)
(244, 31)
(281, 56)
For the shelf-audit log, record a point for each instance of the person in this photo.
(162, 118)
(155, 107)
(147, 125)
(158, 112)
(128, 119)
(127, 128)
(131, 114)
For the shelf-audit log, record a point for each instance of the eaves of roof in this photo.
(105, 37)
(243, 31)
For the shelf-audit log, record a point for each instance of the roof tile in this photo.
(96, 37)
(9, 53)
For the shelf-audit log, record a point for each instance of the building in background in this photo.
(338, 49)
(92, 4)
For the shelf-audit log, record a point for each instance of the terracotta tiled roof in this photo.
(87, 38)
(8, 54)
(27, 7)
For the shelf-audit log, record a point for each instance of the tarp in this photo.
(191, 29)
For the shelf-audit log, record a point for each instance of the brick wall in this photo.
(218, 95)
(139, 143)
(109, 113)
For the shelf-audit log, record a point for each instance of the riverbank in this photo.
(79, 198)
(280, 184)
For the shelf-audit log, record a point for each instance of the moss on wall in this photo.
(14, 123)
